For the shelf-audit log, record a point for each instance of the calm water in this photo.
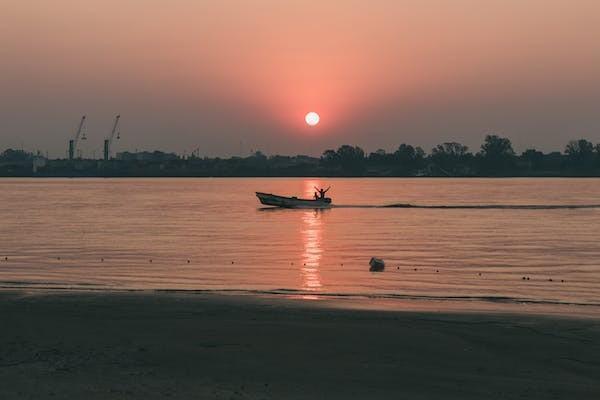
(140, 233)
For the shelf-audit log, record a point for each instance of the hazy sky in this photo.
(214, 74)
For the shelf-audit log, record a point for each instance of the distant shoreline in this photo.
(496, 158)
(299, 176)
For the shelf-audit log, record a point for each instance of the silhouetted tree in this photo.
(329, 158)
(580, 153)
(379, 157)
(451, 158)
(351, 158)
(534, 159)
(402, 162)
(497, 147)
(408, 155)
(497, 155)
(450, 149)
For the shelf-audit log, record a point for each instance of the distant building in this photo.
(38, 162)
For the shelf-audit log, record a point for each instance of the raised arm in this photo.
(327, 190)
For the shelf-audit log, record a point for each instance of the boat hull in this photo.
(274, 200)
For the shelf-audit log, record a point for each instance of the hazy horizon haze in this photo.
(213, 74)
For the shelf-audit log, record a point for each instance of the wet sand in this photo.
(183, 346)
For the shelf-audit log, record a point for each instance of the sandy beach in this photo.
(183, 346)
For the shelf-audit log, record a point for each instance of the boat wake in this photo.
(475, 206)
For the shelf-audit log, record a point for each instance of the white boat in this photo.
(269, 199)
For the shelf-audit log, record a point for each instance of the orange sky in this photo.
(187, 73)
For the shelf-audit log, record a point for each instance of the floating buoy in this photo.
(188, 261)
(376, 264)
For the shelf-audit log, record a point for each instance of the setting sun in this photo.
(312, 118)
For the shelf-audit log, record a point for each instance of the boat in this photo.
(269, 199)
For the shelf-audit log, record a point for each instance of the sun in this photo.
(312, 118)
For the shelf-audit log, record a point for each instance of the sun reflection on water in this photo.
(312, 242)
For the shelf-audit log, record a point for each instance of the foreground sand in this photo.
(155, 346)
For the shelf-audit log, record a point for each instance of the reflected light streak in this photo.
(311, 240)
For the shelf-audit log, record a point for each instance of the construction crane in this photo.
(108, 142)
(73, 142)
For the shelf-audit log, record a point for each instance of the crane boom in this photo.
(114, 129)
(109, 140)
(73, 142)
(79, 131)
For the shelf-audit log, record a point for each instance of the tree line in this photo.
(495, 157)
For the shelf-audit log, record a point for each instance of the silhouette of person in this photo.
(322, 192)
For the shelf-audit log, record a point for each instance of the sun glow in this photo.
(312, 118)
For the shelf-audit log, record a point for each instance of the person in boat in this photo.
(321, 193)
